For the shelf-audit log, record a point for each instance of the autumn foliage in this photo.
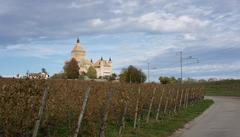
(20, 101)
(71, 69)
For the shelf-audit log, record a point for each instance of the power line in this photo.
(181, 63)
(184, 60)
(220, 53)
(210, 51)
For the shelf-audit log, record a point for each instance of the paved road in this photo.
(221, 120)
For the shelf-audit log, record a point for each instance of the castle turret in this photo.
(78, 52)
(110, 60)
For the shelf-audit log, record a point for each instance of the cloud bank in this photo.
(131, 32)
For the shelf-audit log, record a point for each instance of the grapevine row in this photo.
(86, 108)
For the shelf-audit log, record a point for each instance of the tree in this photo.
(164, 80)
(132, 75)
(111, 77)
(60, 75)
(71, 69)
(167, 80)
(92, 73)
(123, 75)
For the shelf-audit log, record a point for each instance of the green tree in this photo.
(71, 69)
(167, 80)
(111, 77)
(60, 75)
(164, 80)
(123, 75)
(92, 73)
(132, 75)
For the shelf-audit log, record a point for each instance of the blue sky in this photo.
(41, 34)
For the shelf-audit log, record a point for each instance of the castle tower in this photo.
(78, 52)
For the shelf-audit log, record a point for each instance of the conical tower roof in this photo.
(78, 47)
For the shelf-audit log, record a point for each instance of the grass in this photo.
(164, 127)
(223, 88)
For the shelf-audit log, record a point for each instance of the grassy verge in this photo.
(166, 126)
(222, 93)
(223, 88)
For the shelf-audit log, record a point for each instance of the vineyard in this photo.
(74, 108)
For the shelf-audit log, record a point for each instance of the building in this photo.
(39, 75)
(103, 67)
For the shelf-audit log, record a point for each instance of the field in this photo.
(223, 88)
(77, 108)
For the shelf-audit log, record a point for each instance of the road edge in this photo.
(193, 122)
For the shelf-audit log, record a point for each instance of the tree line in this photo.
(71, 71)
(131, 74)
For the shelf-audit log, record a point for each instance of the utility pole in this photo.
(181, 65)
(148, 73)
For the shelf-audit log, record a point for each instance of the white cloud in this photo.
(169, 23)
(116, 11)
(33, 50)
(81, 4)
(97, 22)
(127, 7)
(189, 36)
(150, 22)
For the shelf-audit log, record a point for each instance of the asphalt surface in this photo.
(221, 120)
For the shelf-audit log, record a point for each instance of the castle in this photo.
(103, 67)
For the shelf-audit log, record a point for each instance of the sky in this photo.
(41, 34)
